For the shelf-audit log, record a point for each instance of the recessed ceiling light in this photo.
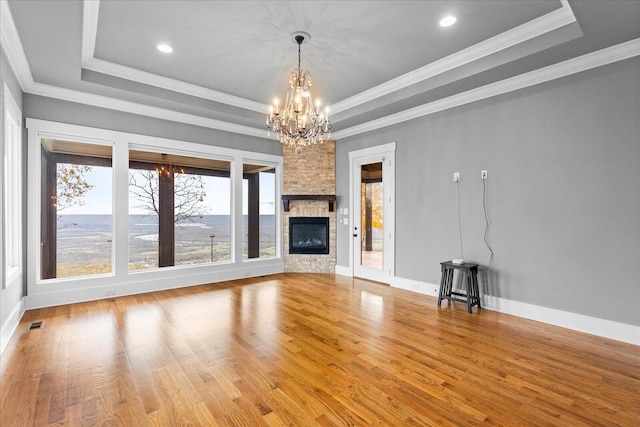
(448, 21)
(165, 48)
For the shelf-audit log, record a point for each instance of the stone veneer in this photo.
(311, 172)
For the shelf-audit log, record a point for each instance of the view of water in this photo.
(85, 240)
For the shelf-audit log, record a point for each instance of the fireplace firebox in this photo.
(309, 235)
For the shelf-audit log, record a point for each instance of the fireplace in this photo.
(309, 235)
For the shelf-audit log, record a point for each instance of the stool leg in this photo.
(476, 288)
(448, 283)
(442, 281)
(469, 292)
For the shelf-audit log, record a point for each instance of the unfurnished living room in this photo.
(320, 213)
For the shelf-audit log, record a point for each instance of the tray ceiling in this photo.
(369, 60)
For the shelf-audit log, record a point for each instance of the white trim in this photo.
(10, 40)
(371, 151)
(11, 324)
(577, 322)
(384, 153)
(343, 270)
(156, 281)
(122, 281)
(141, 109)
(527, 31)
(415, 286)
(91, 11)
(17, 59)
(144, 77)
(378, 149)
(13, 193)
(586, 62)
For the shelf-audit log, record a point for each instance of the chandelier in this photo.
(299, 123)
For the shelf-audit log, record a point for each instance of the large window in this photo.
(76, 209)
(179, 210)
(258, 210)
(12, 189)
(123, 213)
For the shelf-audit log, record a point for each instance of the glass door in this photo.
(372, 216)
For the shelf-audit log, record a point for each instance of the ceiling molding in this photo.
(586, 62)
(527, 31)
(10, 41)
(143, 77)
(90, 12)
(141, 109)
(91, 9)
(551, 21)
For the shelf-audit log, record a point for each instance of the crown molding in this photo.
(12, 45)
(141, 109)
(143, 77)
(551, 21)
(527, 31)
(596, 59)
(91, 9)
(10, 41)
(90, 12)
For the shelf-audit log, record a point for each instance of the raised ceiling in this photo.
(372, 62)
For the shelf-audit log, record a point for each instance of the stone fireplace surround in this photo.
(312, 172)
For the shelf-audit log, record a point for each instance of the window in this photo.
(258, 210)
(12, 188)
(179, 210)
(76, 209)
(117, 213)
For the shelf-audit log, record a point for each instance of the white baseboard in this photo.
(151, 281)
(577, 322)
(415, 286)
(343, 270)
(564, 319)
(11, 324)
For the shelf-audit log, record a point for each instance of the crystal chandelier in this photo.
(299, 123)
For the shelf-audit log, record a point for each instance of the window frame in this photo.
(12, 254)
(123, 281)
(194, 171)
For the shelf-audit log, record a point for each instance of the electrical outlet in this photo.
(456, 177)
(483, 174)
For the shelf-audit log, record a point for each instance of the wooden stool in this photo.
(472, 297)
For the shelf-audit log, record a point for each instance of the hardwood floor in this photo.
(305, 350)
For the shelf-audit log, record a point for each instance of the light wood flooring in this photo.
(308, 350)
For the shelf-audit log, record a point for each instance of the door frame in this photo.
(384, 153)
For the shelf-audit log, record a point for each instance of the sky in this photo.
(98, 200)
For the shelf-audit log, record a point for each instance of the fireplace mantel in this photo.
(322, 197)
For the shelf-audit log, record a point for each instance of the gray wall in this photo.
(9, 298)
(563, 192)
(39, 107)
